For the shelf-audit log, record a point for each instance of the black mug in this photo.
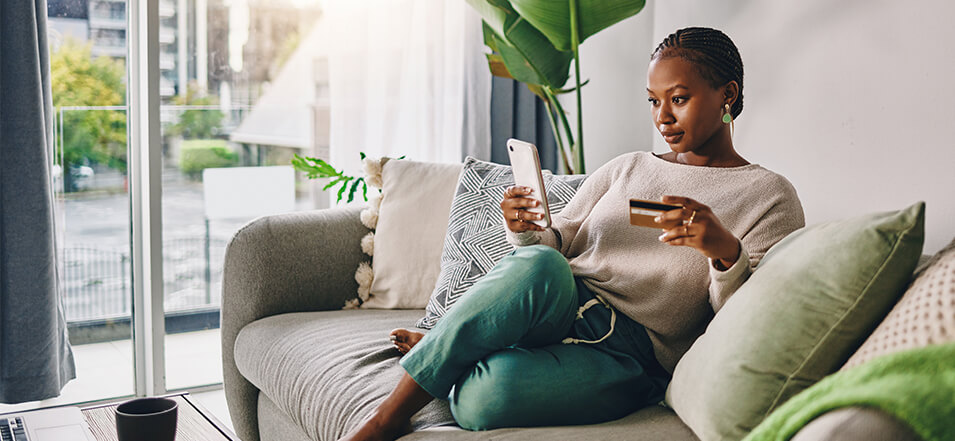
(147, 419)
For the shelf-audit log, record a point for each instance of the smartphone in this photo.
(527, 173)
(642, 212)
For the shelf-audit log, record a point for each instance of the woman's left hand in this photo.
(697, 227)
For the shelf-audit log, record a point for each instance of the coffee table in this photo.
(195, 422)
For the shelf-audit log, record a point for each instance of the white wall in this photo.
(853, 101)
(616, 117)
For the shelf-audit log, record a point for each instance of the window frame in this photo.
(145, 192)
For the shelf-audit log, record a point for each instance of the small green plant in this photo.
(316, 168)
(200, 154)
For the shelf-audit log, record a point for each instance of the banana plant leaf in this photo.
(527, 54)
(552, 18)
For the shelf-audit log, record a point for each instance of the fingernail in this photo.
(657, 219)
(661, 237)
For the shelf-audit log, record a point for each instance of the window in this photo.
(229, 73)
(237, 113)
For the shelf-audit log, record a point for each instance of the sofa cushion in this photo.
(412, 219)
(654, 423)
(925, 315)
(328, 370)
(476, 239)
(808, 305)
(322, 373)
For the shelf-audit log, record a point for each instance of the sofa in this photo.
(299, 367)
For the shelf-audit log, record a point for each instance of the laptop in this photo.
(54, 424)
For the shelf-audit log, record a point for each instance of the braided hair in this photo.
(713, 53)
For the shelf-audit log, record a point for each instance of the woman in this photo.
(585, 321)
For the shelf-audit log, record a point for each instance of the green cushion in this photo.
(811, 301)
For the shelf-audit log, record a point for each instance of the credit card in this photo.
(642, 212)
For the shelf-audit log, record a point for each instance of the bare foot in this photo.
(404, 339)
(378, 429)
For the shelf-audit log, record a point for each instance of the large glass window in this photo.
(242, 76)
(243, 87)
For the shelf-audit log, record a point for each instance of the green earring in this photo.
(727, 117)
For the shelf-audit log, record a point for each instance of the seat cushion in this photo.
(325, 372)
(329, 370)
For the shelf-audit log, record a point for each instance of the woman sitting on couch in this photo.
(585, 321)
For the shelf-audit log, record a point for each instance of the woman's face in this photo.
(685, 108)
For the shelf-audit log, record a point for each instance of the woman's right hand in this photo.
(514, 206)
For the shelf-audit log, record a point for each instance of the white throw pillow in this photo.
(409, 233)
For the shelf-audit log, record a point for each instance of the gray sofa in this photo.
(297, 367)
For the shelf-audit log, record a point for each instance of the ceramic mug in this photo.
(147, 419)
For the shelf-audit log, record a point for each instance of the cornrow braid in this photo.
(714, 54)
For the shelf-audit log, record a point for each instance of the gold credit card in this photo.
(642, 213)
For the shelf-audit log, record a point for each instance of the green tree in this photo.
(80, 80)
(196, 123)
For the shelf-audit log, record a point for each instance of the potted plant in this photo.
(534, 41)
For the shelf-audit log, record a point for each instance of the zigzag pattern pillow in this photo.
(476, 240)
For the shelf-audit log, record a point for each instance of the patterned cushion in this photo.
(925, 315)
(476, 240)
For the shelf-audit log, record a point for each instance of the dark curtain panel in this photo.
(35, 356)
(517, 113)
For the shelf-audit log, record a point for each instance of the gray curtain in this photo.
(517, 113)
(35, 356)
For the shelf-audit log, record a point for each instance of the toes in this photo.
(399, 335)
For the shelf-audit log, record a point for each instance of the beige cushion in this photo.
(322, 374)
(329, 370)
(925, 315)
(812, 299)
(415, 202)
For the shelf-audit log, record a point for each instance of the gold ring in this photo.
(686, 230)
(518, 217)
(692, 216)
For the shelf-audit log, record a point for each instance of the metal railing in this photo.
(97, 282)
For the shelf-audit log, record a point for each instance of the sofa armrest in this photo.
(293, 262)
(856, 424)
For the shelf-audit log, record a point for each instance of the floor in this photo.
(105, 371)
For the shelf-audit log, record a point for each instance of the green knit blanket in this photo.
(916, 386)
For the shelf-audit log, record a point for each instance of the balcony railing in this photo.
(108, 20)
(97, 282)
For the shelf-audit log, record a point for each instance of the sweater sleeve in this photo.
(784, 215)
(724, 283)
(566, 224)
(526, 238)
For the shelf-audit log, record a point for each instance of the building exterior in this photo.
(183, 45)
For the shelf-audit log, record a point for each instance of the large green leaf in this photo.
(552, 17)
(526, 52)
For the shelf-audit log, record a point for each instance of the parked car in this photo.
(80, 177)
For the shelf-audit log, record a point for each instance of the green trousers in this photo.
(503, 356)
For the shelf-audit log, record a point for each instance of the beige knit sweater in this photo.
(671, 290)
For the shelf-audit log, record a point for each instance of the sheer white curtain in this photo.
(407, 77)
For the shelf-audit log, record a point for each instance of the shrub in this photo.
(200, 154)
